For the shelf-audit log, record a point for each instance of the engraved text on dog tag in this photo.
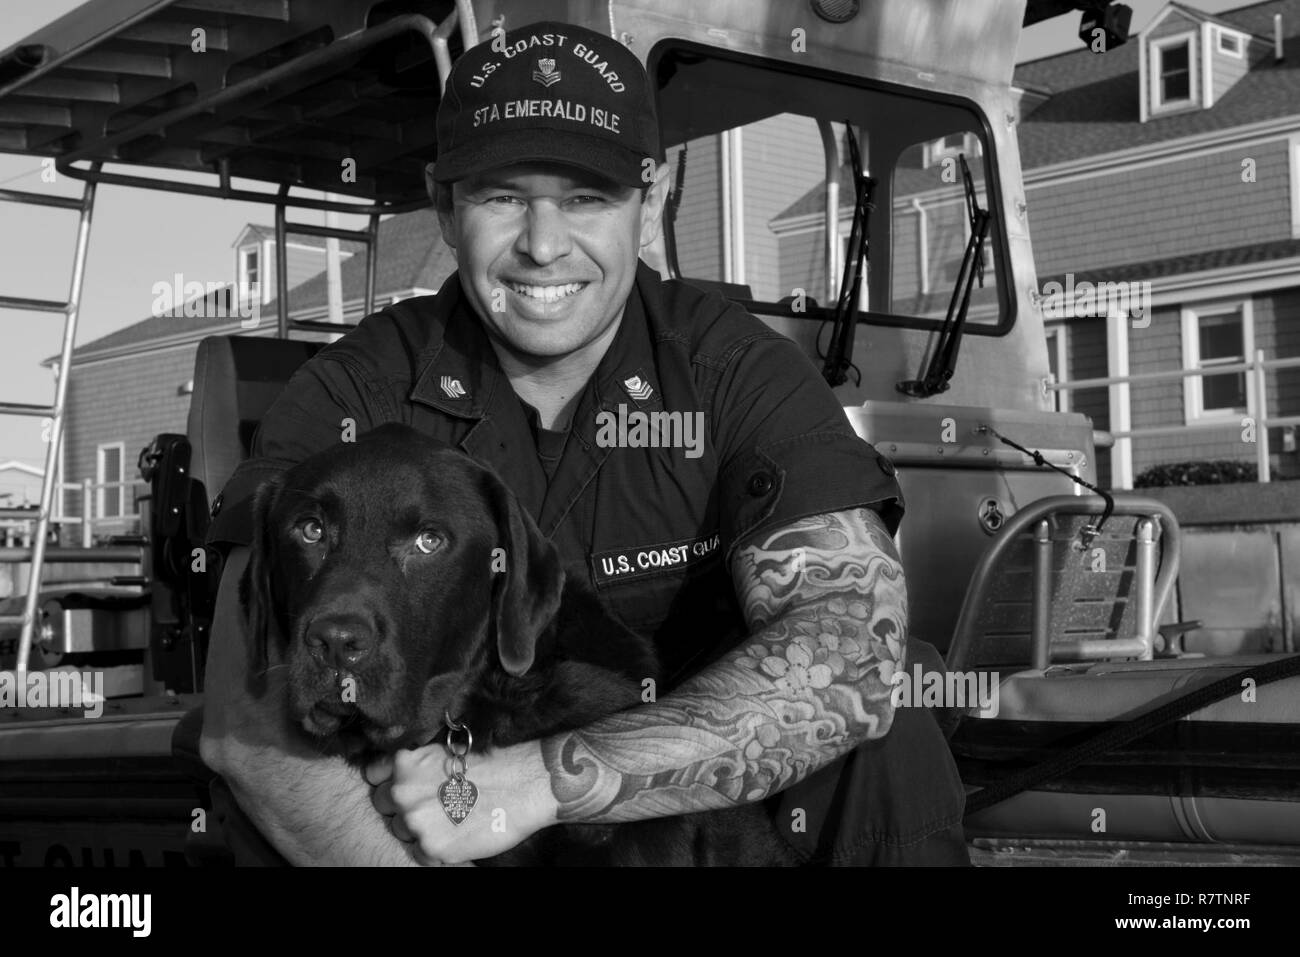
(458, 796)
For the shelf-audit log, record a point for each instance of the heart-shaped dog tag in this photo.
(458, 796)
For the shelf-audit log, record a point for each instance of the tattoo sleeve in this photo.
(826, 606)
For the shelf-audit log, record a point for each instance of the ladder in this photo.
(49, 485)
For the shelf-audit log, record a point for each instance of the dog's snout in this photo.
(341, 641)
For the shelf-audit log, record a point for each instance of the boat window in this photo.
(747, 144)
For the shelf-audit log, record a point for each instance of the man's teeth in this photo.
(548, 293)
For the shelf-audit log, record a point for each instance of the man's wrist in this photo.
(543, 808)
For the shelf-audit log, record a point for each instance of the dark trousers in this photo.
(895, 801)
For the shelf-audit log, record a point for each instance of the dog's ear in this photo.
(256, 595)
(526, 595)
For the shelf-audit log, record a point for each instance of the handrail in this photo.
(1257, 398)
(1038, 511)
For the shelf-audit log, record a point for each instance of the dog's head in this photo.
(393, 571)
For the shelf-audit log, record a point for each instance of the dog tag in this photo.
(458, 796)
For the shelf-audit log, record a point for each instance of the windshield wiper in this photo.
(839, 355)
(943, 359)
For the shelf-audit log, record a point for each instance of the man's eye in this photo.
(428, 542)
(588, 198)
(503, 200)
(311, 531)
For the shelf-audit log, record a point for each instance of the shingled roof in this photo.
(1093, 99)
(412, 255)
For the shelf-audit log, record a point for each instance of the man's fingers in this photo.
(400, 831)
(379, 770)
(382, 798)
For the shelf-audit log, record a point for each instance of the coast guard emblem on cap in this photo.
(453, 388)
(546, 74)
(638, 388)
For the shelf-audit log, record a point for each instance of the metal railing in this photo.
(1256, 370)
(21, 522)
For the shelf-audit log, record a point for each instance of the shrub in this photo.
(1219, 472)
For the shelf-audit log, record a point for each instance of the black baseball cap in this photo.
(549, 91)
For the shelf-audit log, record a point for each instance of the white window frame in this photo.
(934, 151)
(245, 253)
(1193, 393)
(1158, 103)
(1241, 43)
(101, 493)
(1058, 337)
(1294, 152)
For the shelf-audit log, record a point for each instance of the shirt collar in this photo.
(461, 372)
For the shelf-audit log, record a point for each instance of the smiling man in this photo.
(762, 565)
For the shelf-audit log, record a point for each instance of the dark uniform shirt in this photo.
(651, 527)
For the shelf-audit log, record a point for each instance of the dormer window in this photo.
(250, 272)
(1175, 72)
(1229, 43)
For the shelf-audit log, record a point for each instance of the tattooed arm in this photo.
(826, 606)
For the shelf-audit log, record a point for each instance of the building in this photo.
(135, 383)
(1162, 189)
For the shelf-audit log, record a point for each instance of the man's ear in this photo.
(652, 206)
(526, 595)
(256, 593)
(440, 196)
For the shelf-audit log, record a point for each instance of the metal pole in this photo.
(87, 514)
(281, 266)
(30, 607)
(1259, 385)
(831, 162)
(372, 254)
(1042, 621)
(1146, 587)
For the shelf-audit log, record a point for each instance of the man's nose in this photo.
(340, 640)
(545, 236)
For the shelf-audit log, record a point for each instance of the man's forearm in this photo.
(316, 812)
(828, 609)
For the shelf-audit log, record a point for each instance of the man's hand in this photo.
(514, 801)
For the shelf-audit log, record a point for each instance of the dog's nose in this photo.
(341, 642)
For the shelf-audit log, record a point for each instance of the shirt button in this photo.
(216, 503)
(760, 483)
(886, 465)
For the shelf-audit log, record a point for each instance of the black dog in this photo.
(407, 583)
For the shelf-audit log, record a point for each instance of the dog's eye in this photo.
(311, 531)
(427, 542)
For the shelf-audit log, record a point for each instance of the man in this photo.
(757, 552)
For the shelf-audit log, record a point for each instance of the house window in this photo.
(1230, 43)
(1058, 365)
(250, 271)
(1173, 70)
(110, 469)
(1217, 336)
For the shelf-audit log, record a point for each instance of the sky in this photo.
(140, 237)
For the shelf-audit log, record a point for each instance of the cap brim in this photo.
(623, 166)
